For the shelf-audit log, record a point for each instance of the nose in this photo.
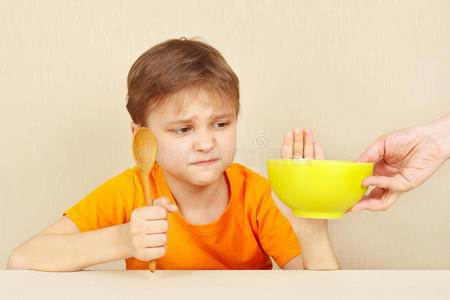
(204, 141)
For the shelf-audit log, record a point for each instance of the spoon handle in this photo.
(149, 202)
(146, 184)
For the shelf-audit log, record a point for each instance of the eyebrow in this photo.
(215, 116)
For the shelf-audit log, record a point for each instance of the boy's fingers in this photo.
(286, 150)
(166, 203)
(298, 143)
(155, 240)
(318, 151)
(156, 226)
(152, 253)
(308, 152)
(163, 201)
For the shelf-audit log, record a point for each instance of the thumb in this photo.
(373, 153)
(166, 203)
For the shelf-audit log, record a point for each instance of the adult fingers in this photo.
(378, 200)
(392, 183)
(374, 195)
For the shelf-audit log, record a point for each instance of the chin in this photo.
(205, 177)
(202, 183)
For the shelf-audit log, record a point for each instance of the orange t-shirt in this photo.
(250, 230)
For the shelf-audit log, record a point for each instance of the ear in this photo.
(134, 127)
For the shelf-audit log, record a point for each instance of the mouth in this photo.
(206, 162)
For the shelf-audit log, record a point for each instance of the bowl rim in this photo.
(317, 161)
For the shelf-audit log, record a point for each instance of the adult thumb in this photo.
(166, 203)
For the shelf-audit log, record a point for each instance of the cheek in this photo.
(170, 155)
(229, 144)
(228, 147)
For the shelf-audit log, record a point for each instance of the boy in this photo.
(221, 214)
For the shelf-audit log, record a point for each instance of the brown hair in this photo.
(174, 65)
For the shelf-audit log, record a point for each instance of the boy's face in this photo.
(200, 131)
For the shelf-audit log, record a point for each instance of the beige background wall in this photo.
(350, 70)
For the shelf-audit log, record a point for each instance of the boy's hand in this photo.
(298, 144)
(146, 233)
(317, 250)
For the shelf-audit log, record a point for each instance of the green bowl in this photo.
(322, 189)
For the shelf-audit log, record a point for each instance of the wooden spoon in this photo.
(145, 148)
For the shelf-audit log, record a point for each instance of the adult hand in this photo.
(403, 160)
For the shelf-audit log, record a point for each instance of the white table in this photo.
(230, 285)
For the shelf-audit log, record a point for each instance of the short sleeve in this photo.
(107, 205)
(276, 234)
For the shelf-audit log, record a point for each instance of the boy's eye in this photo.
(223, 124)
(182, 130)
(187, 129)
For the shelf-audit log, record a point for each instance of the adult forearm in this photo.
(317, 249)
(71, 252)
